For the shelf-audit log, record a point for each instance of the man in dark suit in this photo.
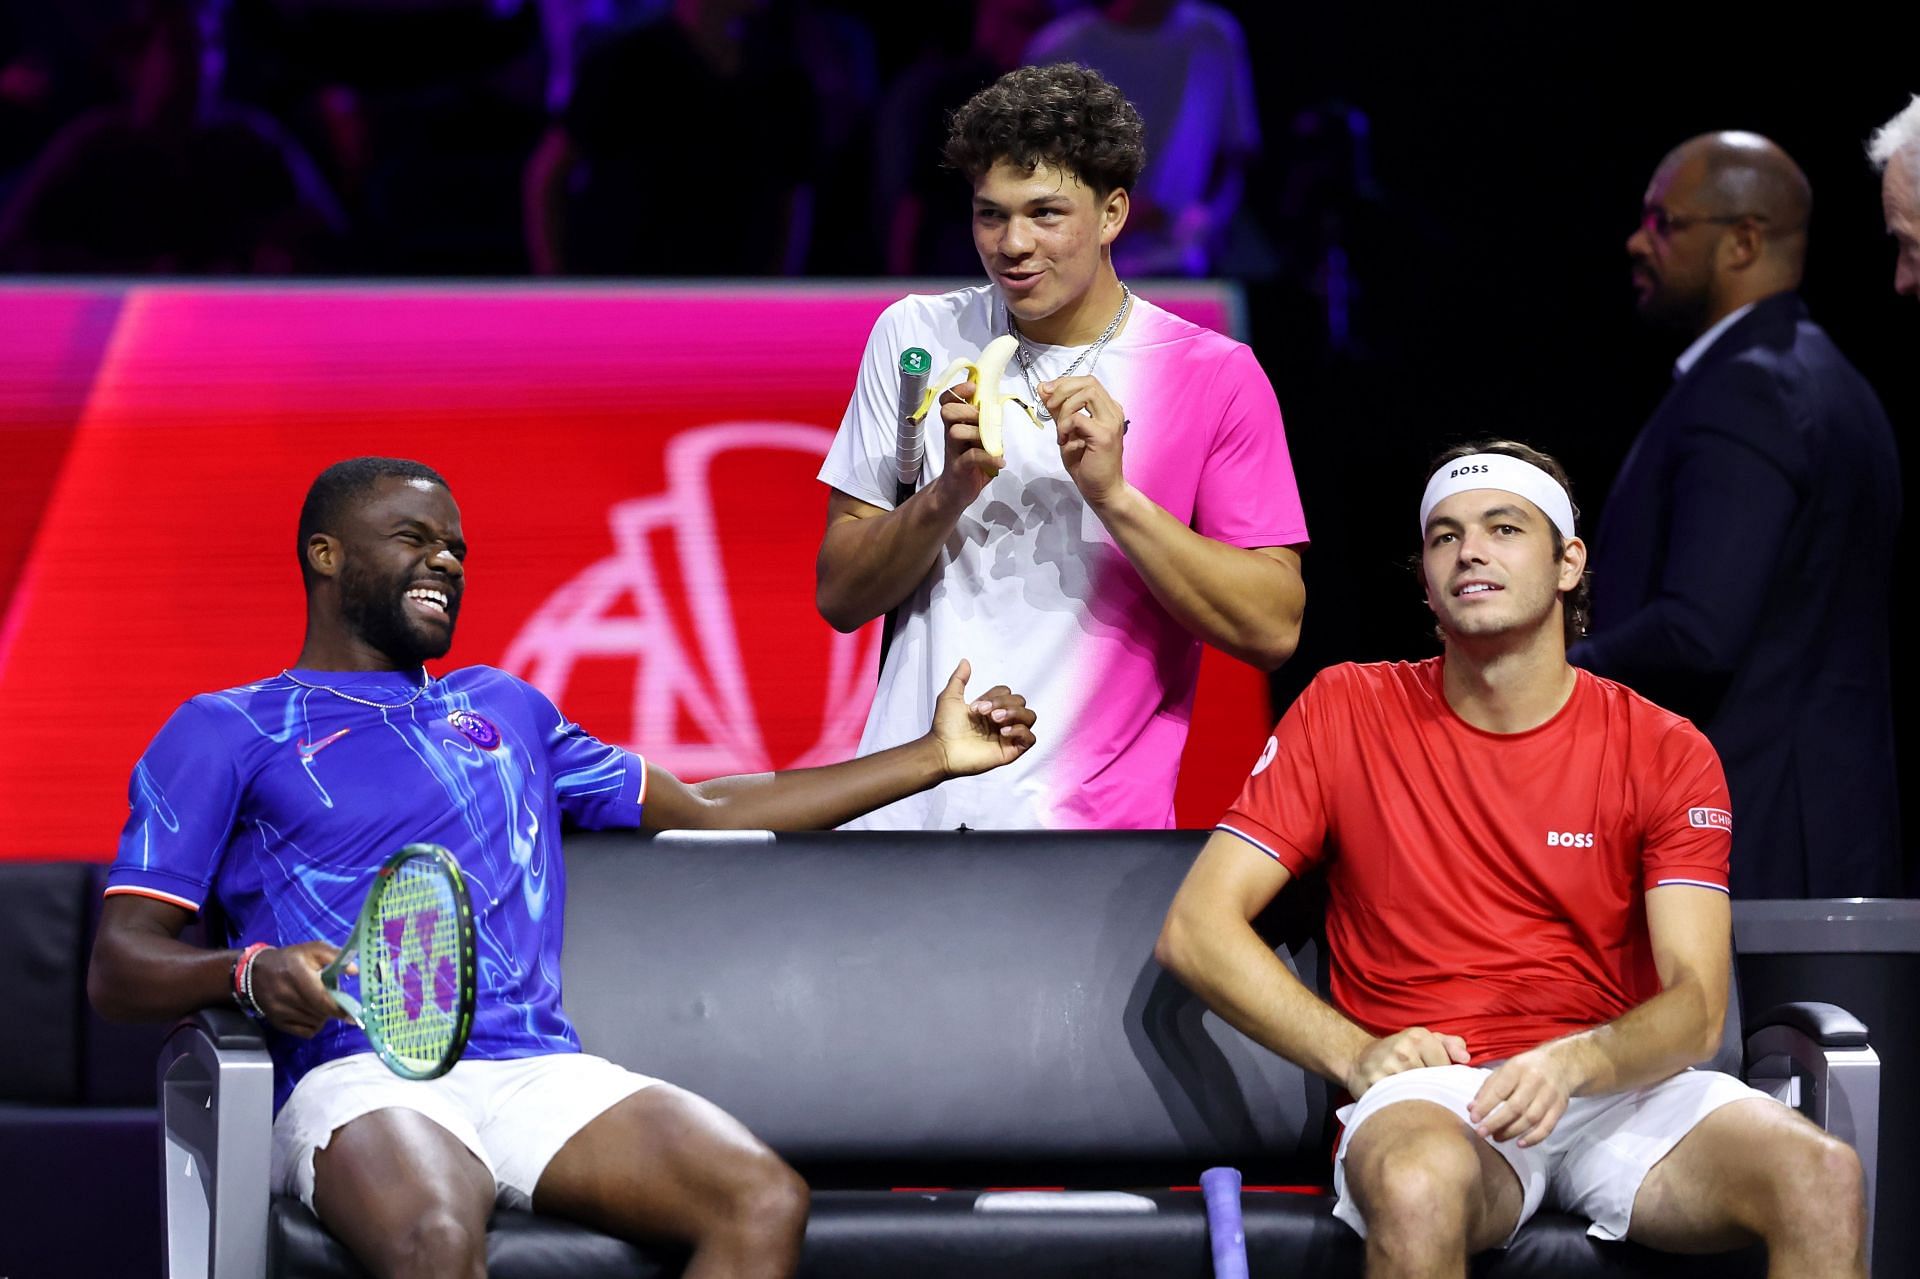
(1743, 565)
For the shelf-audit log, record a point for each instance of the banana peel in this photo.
(985, 373)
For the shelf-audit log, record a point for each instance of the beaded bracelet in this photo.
(243, 981)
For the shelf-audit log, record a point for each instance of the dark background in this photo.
(1511, 148)
(1506, 148)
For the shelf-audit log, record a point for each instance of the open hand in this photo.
(1405, 1050)
(992, 729)
(1524, 1097)
(286, 985)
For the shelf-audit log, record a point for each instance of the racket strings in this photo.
(411, 991)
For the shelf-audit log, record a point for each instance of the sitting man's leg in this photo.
(1428, 1191)
(405, 1196)
(1754, 1169)
(664, 1162)
(392, 1167)
(573, 1135)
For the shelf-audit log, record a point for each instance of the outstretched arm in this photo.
(1209, 943)
(1692, 933)
(967, 737)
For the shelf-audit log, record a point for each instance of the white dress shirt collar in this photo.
(1691, 356)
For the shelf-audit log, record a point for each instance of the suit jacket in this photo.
(1742, 577)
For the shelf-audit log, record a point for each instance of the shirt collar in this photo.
(1691, 356)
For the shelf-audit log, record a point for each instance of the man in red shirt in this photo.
(1528, 921)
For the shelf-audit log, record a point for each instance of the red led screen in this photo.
(634, 468)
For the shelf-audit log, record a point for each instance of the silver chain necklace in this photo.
(426, 681)
(1027, 358)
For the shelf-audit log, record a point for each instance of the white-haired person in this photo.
(1528, 924)
(1895, 151)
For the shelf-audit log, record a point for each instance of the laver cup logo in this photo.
(1710, 819)
(478, 728)
(659, 610)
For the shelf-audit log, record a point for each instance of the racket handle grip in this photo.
(909, 450)
(1225, 1230)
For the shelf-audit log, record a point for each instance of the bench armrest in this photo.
(226, 1027)
(216, 1138)
(1815, 1057)
(1828, 1025)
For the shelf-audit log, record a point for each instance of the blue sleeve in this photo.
(182, 802)
(599, 787)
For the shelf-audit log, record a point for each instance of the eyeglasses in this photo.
(1655, 220)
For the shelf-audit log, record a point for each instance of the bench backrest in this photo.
(931, 998)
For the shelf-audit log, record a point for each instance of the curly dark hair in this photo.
(342, 484)
(1064, 115)
(1577, 604)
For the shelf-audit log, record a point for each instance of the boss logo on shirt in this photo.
(1710, 819)
(1569, 839)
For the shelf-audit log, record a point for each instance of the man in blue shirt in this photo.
(277, 800)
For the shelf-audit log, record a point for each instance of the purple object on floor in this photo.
(1222, 1189)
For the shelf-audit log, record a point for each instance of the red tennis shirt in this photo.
(1487, 885)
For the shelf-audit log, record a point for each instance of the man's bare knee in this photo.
(439, 1243)
(1819, 1193)
(767, 1199)
(1415, 1187)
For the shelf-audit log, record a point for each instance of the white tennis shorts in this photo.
(513, 1115)
(1593, 1161)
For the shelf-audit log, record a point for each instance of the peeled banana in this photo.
(984, 373)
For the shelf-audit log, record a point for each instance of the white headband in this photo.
(1509, 475)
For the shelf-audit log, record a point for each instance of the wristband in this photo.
(243, 981)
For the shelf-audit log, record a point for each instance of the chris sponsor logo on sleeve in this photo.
(1710, 819)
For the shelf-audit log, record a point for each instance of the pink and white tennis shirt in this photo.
(1030, 586)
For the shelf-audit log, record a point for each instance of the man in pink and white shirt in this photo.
(1155, 511)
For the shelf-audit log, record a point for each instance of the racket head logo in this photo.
(476, 728)
(417, 988)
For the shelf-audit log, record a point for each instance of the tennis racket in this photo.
(909, 453)
(414, 948)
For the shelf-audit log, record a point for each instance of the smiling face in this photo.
(1490, 569)
(1042, 236)
(397, 567)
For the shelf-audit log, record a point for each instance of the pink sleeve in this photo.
(1247, 496)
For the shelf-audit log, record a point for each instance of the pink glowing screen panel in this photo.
(635, 473)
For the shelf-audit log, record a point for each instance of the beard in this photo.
(377, 611)
(1673, 310)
